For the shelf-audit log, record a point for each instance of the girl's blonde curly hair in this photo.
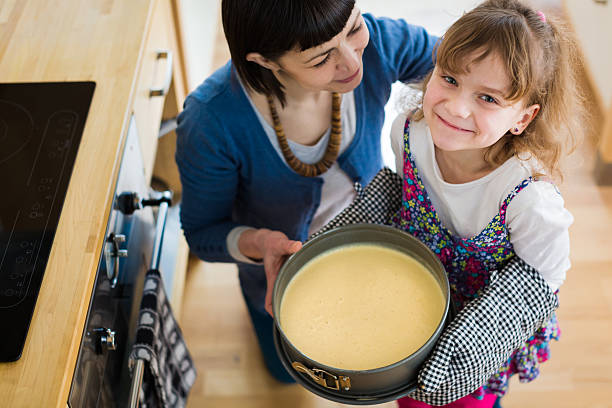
(540, 57)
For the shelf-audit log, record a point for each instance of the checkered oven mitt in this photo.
(484, 334)
(481, 338)
(375, 204)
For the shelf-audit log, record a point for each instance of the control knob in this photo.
(128, 202)
(104, 339)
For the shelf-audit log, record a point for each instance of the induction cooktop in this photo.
(40, 131)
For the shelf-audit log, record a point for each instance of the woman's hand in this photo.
(273, 247)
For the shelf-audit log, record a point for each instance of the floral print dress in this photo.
(468, 262)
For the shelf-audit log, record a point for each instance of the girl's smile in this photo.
(450, 125)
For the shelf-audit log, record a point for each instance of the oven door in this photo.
(101, 377)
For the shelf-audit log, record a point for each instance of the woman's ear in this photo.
(528, 115)
(263, 61)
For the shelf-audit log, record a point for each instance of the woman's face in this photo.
(334, 66)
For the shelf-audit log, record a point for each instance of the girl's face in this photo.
(469, 111)
(334, 66)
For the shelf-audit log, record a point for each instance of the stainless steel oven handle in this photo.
(136, 384)
(160, 226)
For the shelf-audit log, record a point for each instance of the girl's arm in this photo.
(485, 333)
(538, 223)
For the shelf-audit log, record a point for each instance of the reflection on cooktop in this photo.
(40, 131)
(18, 121)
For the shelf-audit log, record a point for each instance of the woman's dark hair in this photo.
(273, 27)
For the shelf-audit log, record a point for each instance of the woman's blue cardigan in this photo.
(231, 174)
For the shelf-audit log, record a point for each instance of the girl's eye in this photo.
(488, 99)
(320, 64)
(449, 79)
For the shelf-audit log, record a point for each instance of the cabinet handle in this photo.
(167, 54)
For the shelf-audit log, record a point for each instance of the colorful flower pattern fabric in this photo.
(468, 262)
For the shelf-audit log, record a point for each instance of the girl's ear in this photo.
(528, 115)
(263, 61)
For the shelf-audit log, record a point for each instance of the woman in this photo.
(273, 144)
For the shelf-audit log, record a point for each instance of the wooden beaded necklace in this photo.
(333, 146)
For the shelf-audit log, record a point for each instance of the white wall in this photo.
(593, 25)
(436, 16)
(199, 19)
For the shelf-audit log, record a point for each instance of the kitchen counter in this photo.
(73, 40)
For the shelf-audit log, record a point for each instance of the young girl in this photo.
(499, 111)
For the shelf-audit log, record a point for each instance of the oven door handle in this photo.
(160, 225)
(136, 383)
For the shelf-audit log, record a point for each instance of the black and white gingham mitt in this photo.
(481, 338)
(375, 204)
(484, 334)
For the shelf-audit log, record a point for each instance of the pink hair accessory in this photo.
(542, 16)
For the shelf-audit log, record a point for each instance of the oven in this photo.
(102, 376)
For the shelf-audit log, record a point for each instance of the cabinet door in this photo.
(154, 81)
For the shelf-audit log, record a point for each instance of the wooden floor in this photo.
(231, 372)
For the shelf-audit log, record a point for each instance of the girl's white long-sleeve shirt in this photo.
(536, 217)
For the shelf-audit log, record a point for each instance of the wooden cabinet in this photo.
(160, 71)
(159, 96)
(603, 164)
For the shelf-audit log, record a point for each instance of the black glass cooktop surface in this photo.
(40, 131)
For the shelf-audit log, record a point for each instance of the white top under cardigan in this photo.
(337, 191)
(536, 218)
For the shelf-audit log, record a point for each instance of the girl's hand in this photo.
(273, 247)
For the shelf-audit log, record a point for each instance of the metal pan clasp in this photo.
(323, 378)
